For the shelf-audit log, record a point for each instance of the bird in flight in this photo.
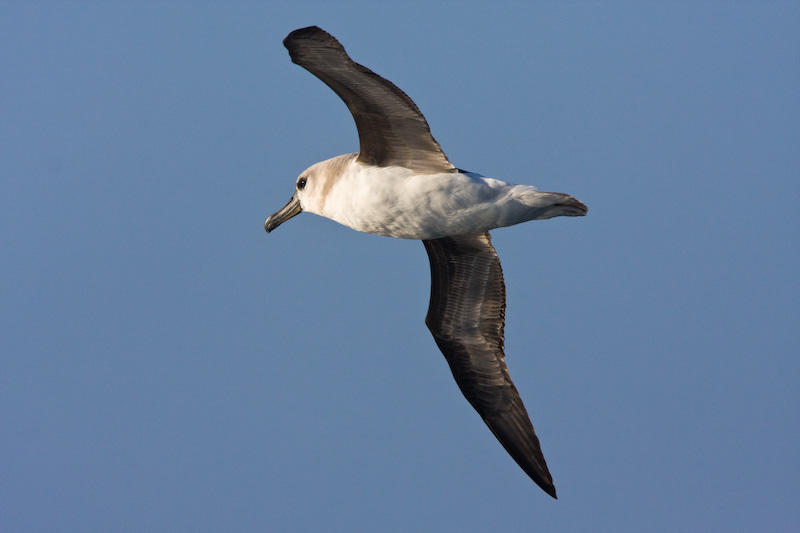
(400, 184)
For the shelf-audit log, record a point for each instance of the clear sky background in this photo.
(167, 366)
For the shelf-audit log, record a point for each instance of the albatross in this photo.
(401, 184)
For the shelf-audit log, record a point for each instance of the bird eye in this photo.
(301, 183)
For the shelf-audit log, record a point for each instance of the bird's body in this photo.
(400, 184)
(400, 202)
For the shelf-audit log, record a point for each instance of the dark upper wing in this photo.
(391, 129)
(466, 317)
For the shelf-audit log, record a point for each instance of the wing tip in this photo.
(314, 33)
(304, 32)
(542, 479)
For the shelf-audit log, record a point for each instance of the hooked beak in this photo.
(285, 213)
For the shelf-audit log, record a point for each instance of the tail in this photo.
(554, 204)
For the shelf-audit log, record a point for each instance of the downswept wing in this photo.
(467, 317)
(391, 129)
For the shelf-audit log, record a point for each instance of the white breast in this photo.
(396, 202)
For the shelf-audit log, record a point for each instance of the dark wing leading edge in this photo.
(391, 128)
(467, 317)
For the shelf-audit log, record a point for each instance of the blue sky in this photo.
(167, 366)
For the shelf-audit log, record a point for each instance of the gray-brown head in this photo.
(311, 190)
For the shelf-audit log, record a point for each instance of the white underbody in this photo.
(397, 202)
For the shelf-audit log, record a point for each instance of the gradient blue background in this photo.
(167, 366)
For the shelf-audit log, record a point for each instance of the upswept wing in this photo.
(391, 129)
